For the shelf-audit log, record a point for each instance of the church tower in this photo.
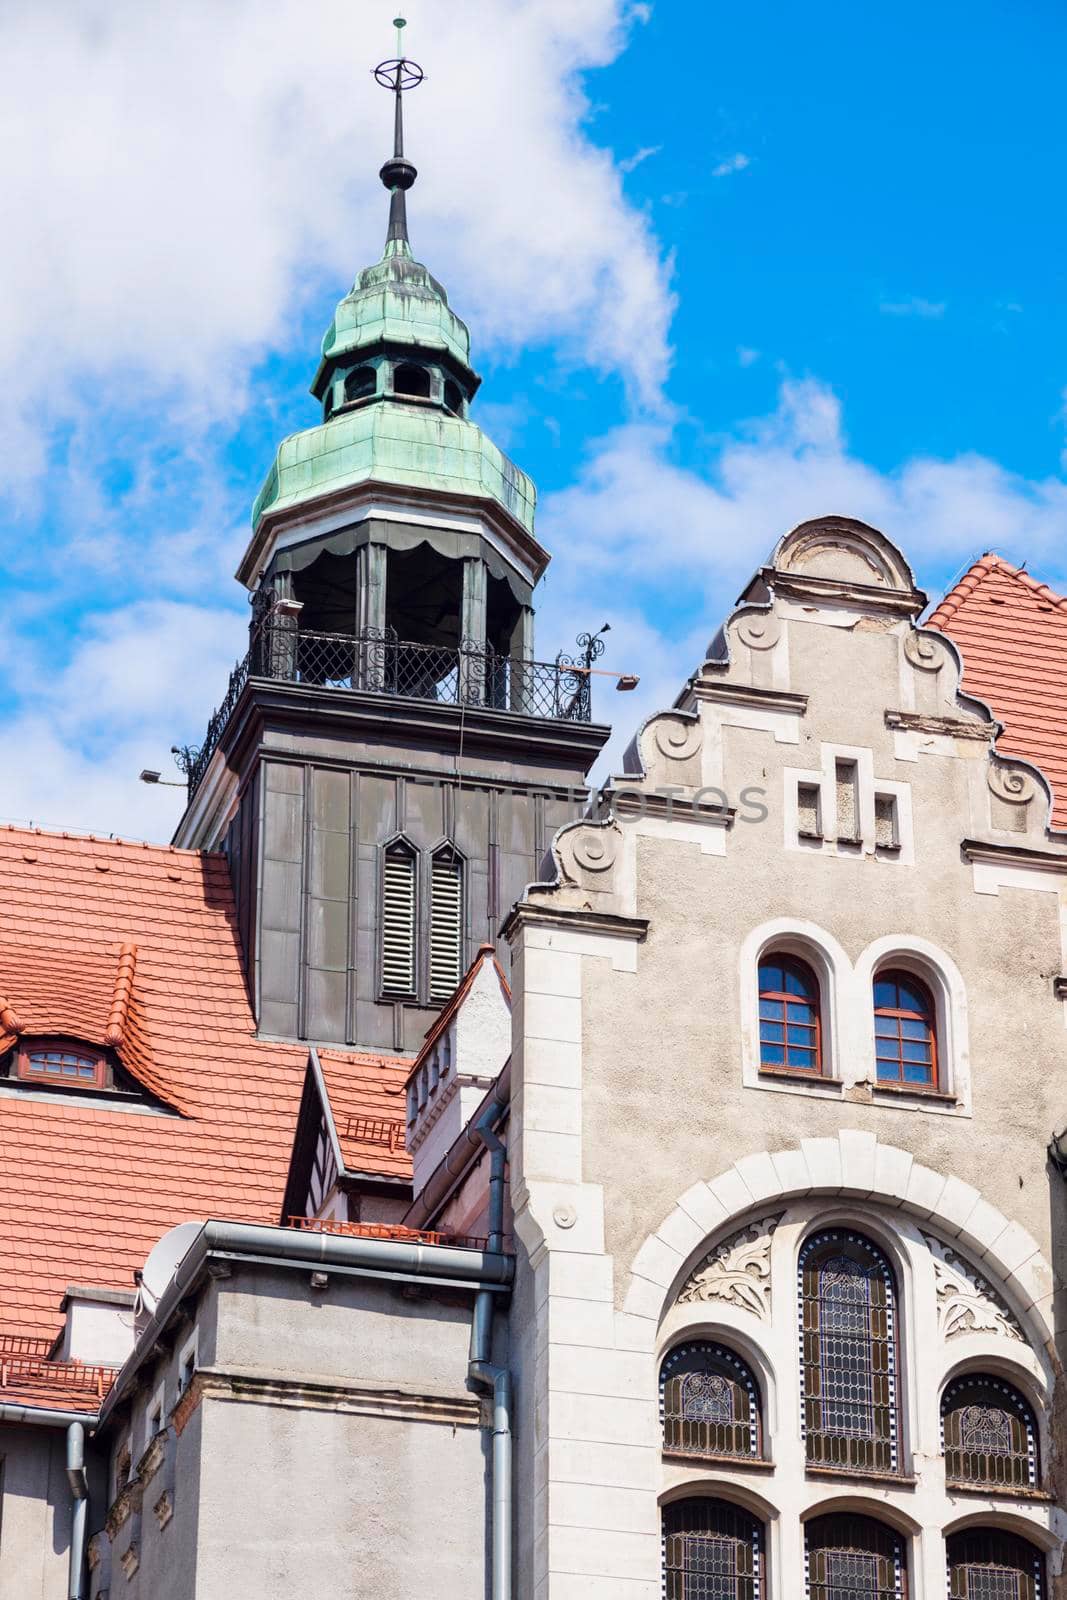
(390, 760)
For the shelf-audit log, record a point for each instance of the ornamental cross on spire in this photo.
(398, 174)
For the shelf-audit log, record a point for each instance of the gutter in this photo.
(481, 1372)
(75, 1423)
(79, 1516)
(488, 1271)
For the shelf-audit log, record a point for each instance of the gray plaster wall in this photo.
(661, 1047)
(328, 1444)
(35, 1513)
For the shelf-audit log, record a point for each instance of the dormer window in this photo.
(62, 1063)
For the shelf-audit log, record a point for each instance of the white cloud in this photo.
(184, 179)
(630, 163)
(915, 307)
(730, 164)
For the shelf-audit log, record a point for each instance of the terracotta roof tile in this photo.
(90, 1188)
(1011, 630)
(367, 1100)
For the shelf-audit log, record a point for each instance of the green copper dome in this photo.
(396, 304)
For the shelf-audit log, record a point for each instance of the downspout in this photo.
(79, 1516)
(481, 1372)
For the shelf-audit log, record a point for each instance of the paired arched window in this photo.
(712, 1550)
(790, 1029)
(849, 1377)
(905, 1030)
(854, 1558)
(361, 383)
(410, 379)
(989, 1564)
(990, 1436)
(709, 1403)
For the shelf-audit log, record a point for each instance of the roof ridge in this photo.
(964, 586)
(120, 1000)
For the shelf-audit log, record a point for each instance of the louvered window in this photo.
(446, 924)
(398, 923)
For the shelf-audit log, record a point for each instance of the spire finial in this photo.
(398, 174)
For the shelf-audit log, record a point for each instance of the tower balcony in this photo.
(376, 664)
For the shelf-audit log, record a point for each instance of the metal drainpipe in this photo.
(79, 1516)
(481, 1371)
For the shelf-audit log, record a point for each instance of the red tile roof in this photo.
(90, 1188)
(367, 1101)
(1012, 633)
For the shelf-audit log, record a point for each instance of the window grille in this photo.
(989, 1564)
(709, 1403)
(847, 1307)
(789, 1025)
(398, 923)
(446, 924)
(712, 1550)
(905, 1037)
(853, 1558)
(989, 1434)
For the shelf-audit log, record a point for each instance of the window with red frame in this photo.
(790, 1033)
(905, 1031)
(61, 1063)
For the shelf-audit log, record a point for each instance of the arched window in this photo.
(360, 383)
(446, 922)
(789, 1026)
(848, 1354)
(409, 379)
(712, 1550)
(854, 1558)
(62, 1063)
(709, 1403)
(399, 887)
(989, 1564)
(454, 397)
(905, 1030)
(989, 1432)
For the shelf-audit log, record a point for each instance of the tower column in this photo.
(472, 631)
(370, 616)
(522, 648)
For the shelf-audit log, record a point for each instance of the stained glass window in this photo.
(712, 1550)
(848, 1337)
(854, 1558)
(989, 1564)
(709, 1403)
(989, 1432)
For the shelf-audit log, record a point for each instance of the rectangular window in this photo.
(848, 811)
(398, 925)
(154, 1416)
(187, 1363)
(446, 926)
(809, 811)
(886, 831)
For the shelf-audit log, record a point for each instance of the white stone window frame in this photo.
(187, 1361)
(936, 969)
(827, 959)
(868, 784)
(846, 1014)
(786, 1494)
(155, 1409)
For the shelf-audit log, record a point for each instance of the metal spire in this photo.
(398, 174)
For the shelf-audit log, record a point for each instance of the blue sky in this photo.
(724, 267)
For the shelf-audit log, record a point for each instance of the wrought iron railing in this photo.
(377, 662)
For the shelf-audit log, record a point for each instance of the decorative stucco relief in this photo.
(925, 652)
(737, 1271)
(1015, 785)
(966, 1303)
(759, 630)
(677, 738)
(592, 848)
